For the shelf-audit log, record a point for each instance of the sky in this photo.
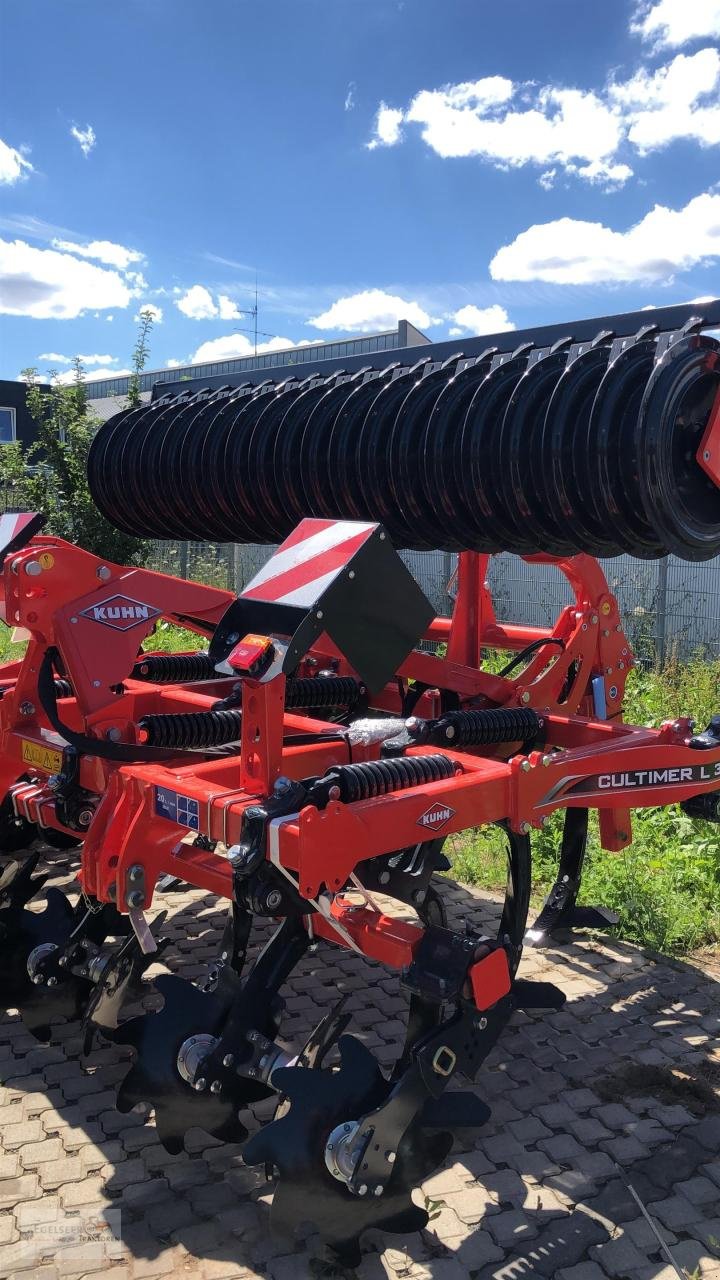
(469, 166)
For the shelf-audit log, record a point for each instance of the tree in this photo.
(51, 475)
(139, 358)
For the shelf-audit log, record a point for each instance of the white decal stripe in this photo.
(306, 595)
(310, 547)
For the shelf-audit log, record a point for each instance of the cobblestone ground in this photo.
(620, 1087)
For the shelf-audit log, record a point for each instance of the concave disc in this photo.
(271, 516)
(343, 443)
(236, 495)
(519, 442)
(317, 482)
(564, 448)
(406, 455)
(613, 452)
(492, 525)
(373, 457)
(683, 501)
(440, 461)
(287, 476)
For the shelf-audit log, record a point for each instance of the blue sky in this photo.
(466, 164)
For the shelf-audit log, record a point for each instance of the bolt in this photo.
(136, 872)
(621, 666)
(545, 820)
(228, 1060)
(319, 613)
(418, 895)
(362, 1189)
(378, 1191)
(525, 827)
(96, 684)
(384, 877)
(85, 817)
(32, 568)
(525, 697)
(273, 899)
(200, 1084)
(55, 781)
(63, 961)
(223, 956)
(282, 786)
(608, 671)
(136, 898)
(252, 1036)
(450, 732)
(546, 760)
(594, 619)
(73, 619)
(351, 573)
(27, 708)
(481, 1024)
(526, 766)
(37, 979)
(113, 735)
(613, 692)
(216, 1086)
(52, 982)
(390, 1156)
(334, 793)
(103, 572)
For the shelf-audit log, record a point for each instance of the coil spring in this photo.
(190, 730)
(486, 728)
(378, 777)
(174, 668)
(323, 691)
(63, 688)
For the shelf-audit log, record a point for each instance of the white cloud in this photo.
(65, 379)
(53, 358)
(588, 134)
(570, 251)
(671, 23)
(350, 96)
(85, 137)
(155, 312)
(174, 364)
(13, 165)
(472, 319)
(387, 129)
(197, 303)
(663, 105)
(113, 255)
(236, 344)
(227, 310)
(372, 309)
(49, 285)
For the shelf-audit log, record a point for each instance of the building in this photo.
(105, 392)
(15, 420)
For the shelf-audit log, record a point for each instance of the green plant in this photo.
(140, 354)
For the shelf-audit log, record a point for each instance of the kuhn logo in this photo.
(120, 612)
(437, 817)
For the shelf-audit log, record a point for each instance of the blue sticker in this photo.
(182, 810)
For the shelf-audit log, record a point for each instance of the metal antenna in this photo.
(253, 311)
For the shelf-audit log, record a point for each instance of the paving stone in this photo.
(618, 1257)
(676, 1212)
(512, 1228)
(583, 1271)
(699, 1191)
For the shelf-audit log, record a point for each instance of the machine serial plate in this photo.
(182, 810)
(41, 756)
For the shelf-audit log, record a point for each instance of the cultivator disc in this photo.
(305, 1146)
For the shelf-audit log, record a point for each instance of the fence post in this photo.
(184, 546)
(661, 611)
(238, 576)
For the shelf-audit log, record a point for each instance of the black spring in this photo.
(487, 728)
(378, 777)
(323, 691)
(174, 668)
(191, 729)
(63, 688)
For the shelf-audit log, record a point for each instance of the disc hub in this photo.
(191, 1053)
(340, 1158)
(36, 958)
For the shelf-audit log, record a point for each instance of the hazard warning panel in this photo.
(308, 561)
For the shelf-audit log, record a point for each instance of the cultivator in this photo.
(309, 761)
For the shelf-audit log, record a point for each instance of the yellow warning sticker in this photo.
(41, 756)
(47, 559)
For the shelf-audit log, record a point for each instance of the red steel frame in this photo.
(50, 589)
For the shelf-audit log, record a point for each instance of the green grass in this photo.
(665, 887)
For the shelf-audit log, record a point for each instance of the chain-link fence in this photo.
(668, 606)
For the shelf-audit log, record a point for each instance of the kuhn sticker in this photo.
(437, 817)
(120, 612)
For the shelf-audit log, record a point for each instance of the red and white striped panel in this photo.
(308, 561)
(13, 524)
